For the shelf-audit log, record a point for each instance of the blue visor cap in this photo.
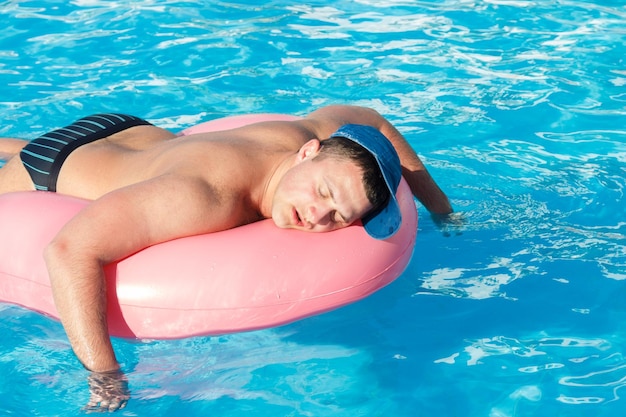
(385, 221)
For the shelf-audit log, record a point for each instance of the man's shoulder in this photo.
(326, 120)
(280, 135)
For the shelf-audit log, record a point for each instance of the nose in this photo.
(318, 215)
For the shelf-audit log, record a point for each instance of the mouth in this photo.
(295, 217)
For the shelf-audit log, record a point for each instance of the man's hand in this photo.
(109, 391)
(449, 224)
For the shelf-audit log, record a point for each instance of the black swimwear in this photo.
(44, 156)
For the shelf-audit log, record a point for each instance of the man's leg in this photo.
(13, 175)
(10, 147)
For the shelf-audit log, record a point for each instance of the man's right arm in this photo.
(111, 228)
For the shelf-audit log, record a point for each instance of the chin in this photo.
(281, 226)
(280, 222)
(282, 218)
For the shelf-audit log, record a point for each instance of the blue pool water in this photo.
(516, 106)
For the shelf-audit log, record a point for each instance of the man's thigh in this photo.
(14, 177)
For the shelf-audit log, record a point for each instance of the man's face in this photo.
(320, 195)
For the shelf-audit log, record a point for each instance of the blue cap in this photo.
(385, 221)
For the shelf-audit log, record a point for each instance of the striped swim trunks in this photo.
(44, 156)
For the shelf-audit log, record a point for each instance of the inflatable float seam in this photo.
(23, 279)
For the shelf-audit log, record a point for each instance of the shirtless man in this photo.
(212, 181)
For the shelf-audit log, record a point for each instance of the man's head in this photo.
(381, 176)
(349, 151)
(352, 175)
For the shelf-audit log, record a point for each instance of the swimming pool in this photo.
(518, 109)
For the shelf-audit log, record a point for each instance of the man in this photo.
(138, 175)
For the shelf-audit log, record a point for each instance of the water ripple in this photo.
(574, 370)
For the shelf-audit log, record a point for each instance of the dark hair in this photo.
(375, 187)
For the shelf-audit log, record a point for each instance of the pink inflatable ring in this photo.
(247, 278)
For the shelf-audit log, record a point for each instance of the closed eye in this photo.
(325, 192)
(338, 218)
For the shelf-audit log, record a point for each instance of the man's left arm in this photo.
(423, 186)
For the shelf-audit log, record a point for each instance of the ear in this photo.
(308, 150)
